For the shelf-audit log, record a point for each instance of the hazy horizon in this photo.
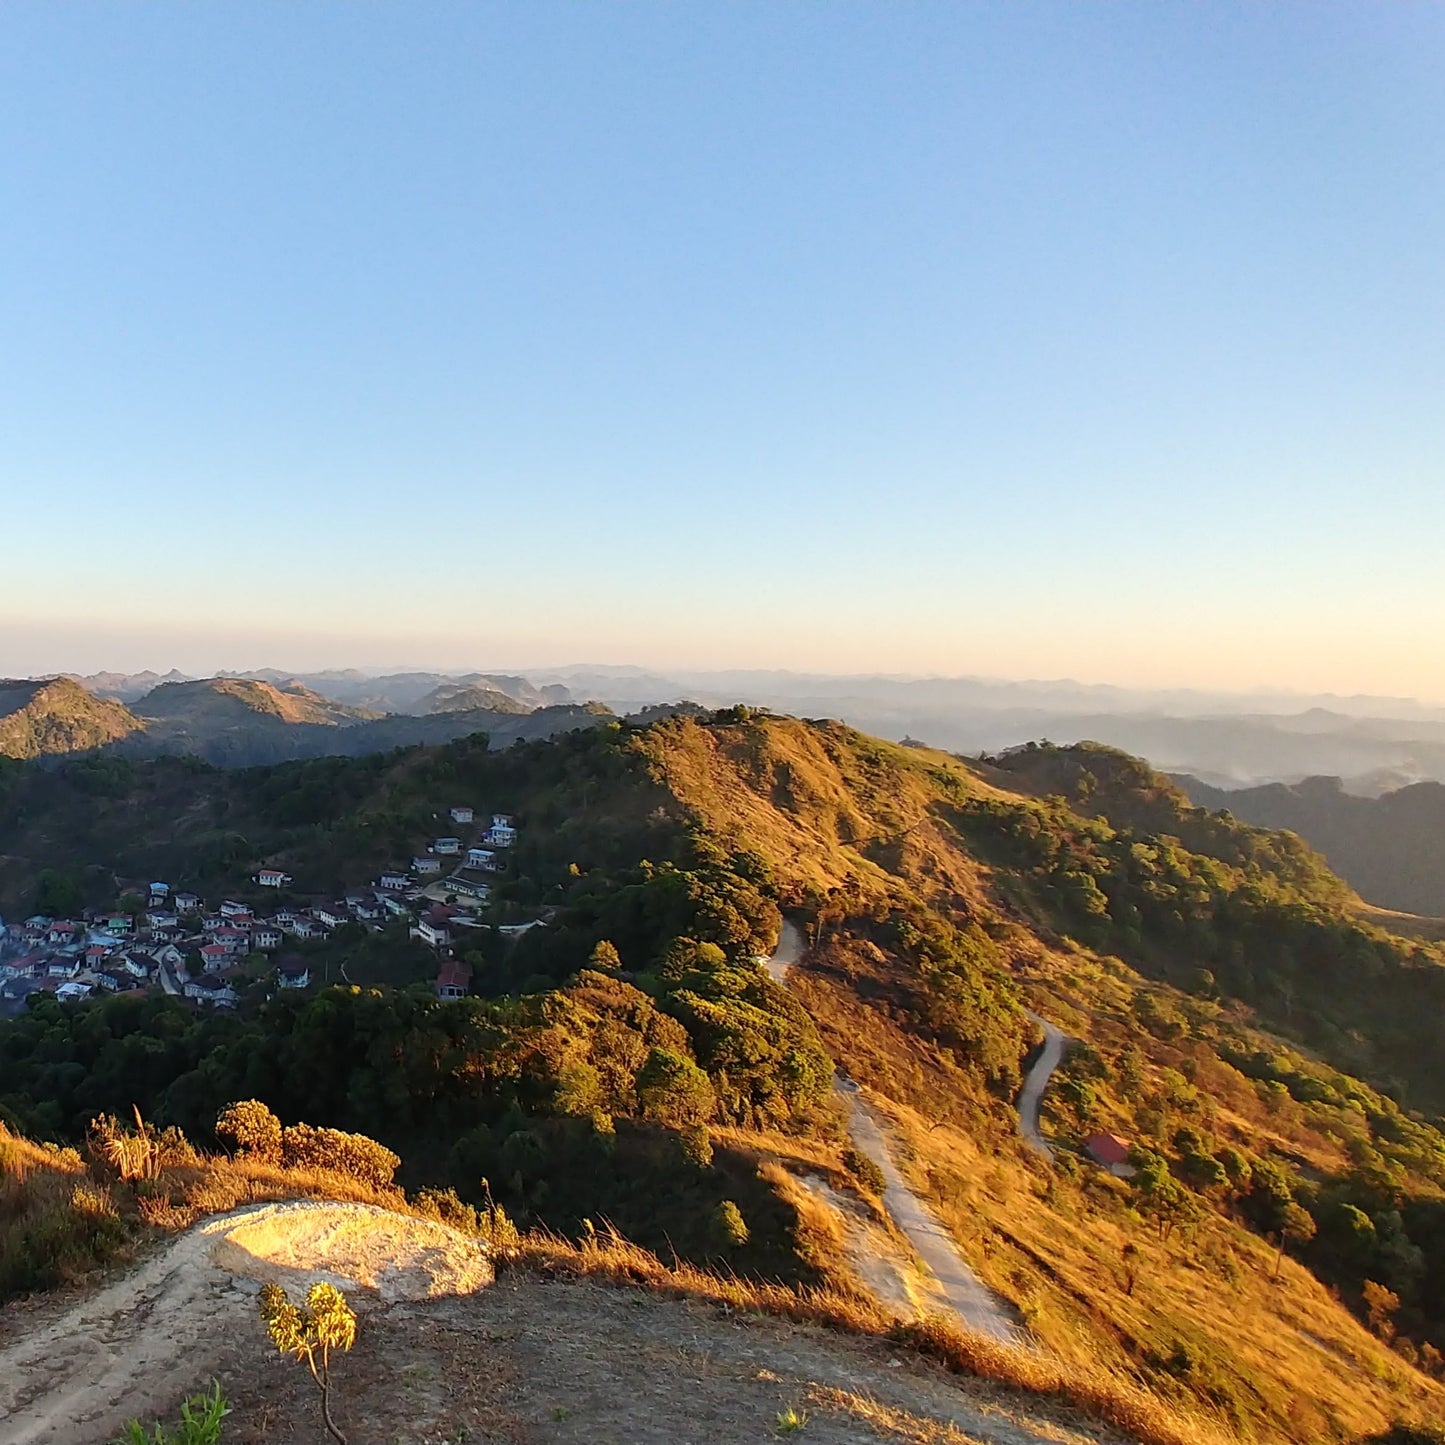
(1269, 698)
(1033, 341)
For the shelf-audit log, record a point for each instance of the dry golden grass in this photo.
(36, 1184)
(1105, 1398)
(1206, 1325)
(829, 807)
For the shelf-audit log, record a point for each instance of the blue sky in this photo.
(1024, 339)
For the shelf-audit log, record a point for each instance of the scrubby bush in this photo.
(696, 1145)
(139, 1153)
(446, 1207)
(864, 1171)
(250, 1128)
(303, 1146)
(730, 1226)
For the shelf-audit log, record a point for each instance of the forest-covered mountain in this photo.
(1391, 848)
(56, 716)
(1273, 1060)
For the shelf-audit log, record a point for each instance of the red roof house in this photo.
(1108, 1149)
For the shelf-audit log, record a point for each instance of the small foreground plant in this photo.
(790, 1421)
(310, 1332)
(201, 1418)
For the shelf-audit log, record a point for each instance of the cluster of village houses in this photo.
(114, 952)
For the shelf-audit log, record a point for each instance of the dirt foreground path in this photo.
(138, 1346)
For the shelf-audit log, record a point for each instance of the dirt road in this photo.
(526, 1361)
(959, 1286)
(1032, 1092)
(139, 1345)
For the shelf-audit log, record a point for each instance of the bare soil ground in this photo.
(527, 1360)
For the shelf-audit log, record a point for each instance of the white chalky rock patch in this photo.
(398, 1257)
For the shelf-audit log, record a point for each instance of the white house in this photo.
(446, 845)
(214, 991)
(453, 979)
(333, 915)
(468, 886)
(63, 966)
(266, 938)
(426, 863)
(293, 974)
(139, 965)
(462, 814)
(71, 991)
(187, 903)
(231, 909)
(432, 932)
(502, 833)
(393, 880)
(481, 858)
(272, 878)
(214, 957)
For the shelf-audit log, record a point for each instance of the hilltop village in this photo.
(210, 951)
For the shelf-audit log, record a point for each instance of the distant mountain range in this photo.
(1376, 745)
(1391, 849)
(243, 722)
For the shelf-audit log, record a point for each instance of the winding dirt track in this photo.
(966, 1294)
(1032, 1092)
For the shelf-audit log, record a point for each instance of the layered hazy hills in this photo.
(1391, 848)
(469, 697)
(245, 722)
(232, 701)
(1227, 740)
(38, 719)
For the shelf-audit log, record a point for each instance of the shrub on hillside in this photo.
(730, 1226)
(139, 1153)
(250, 1128)
(673, 1090)
(696, 1145)
(303, 1146)
(865, 1171)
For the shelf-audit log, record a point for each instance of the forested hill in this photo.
(1391, 848)
(1082, 842)
(248, 722)
(1273, 1062)
(58, 716)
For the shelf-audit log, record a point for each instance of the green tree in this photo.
(672, 1090)
(729, 1225)
(605, 957)
(1296, 1225)
(57, 894)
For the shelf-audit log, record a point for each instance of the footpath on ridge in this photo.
(975, 1306)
